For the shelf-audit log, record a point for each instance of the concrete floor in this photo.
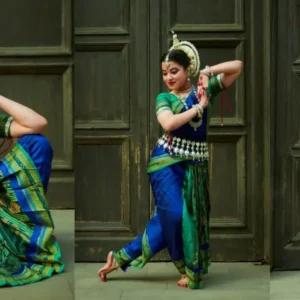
(285, 285)
(59, 287)
(225, 281)
(240, 281)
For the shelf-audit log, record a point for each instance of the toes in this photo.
(183, 285)
(102, 276)
(183, 281)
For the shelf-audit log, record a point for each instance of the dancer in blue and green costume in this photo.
(29, 251)
(178, 170)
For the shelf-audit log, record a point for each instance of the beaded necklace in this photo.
(194, 124)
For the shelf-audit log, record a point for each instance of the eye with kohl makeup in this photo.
(174, 71)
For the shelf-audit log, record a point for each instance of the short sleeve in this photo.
(162, 103)
(215, 85)
(5, 124)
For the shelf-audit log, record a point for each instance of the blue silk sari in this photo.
(180, 184)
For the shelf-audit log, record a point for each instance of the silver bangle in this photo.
(200, 110)
(210, 71)
(207, 71)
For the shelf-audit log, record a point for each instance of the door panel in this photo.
(111, 84)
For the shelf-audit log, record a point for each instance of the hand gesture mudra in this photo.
(201, 92)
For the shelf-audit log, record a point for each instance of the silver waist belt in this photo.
(184, 148)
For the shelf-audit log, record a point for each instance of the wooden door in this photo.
(117, 77)
(36, 70)
(286, 137)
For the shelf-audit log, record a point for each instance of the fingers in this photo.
(202, 85)
(201, 93)
(204, 99)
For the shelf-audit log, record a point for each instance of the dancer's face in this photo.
(174, 75)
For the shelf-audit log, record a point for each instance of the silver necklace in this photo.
(194, 124)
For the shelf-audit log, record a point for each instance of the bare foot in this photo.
(110, 266)
(183, 281)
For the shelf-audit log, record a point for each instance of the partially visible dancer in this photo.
(28, 250)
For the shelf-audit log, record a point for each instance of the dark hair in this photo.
(178, 56)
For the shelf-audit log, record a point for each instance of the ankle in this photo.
(115, 264)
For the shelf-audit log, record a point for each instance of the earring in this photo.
(188, 79)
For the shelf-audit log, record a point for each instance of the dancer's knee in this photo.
(37, 144)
